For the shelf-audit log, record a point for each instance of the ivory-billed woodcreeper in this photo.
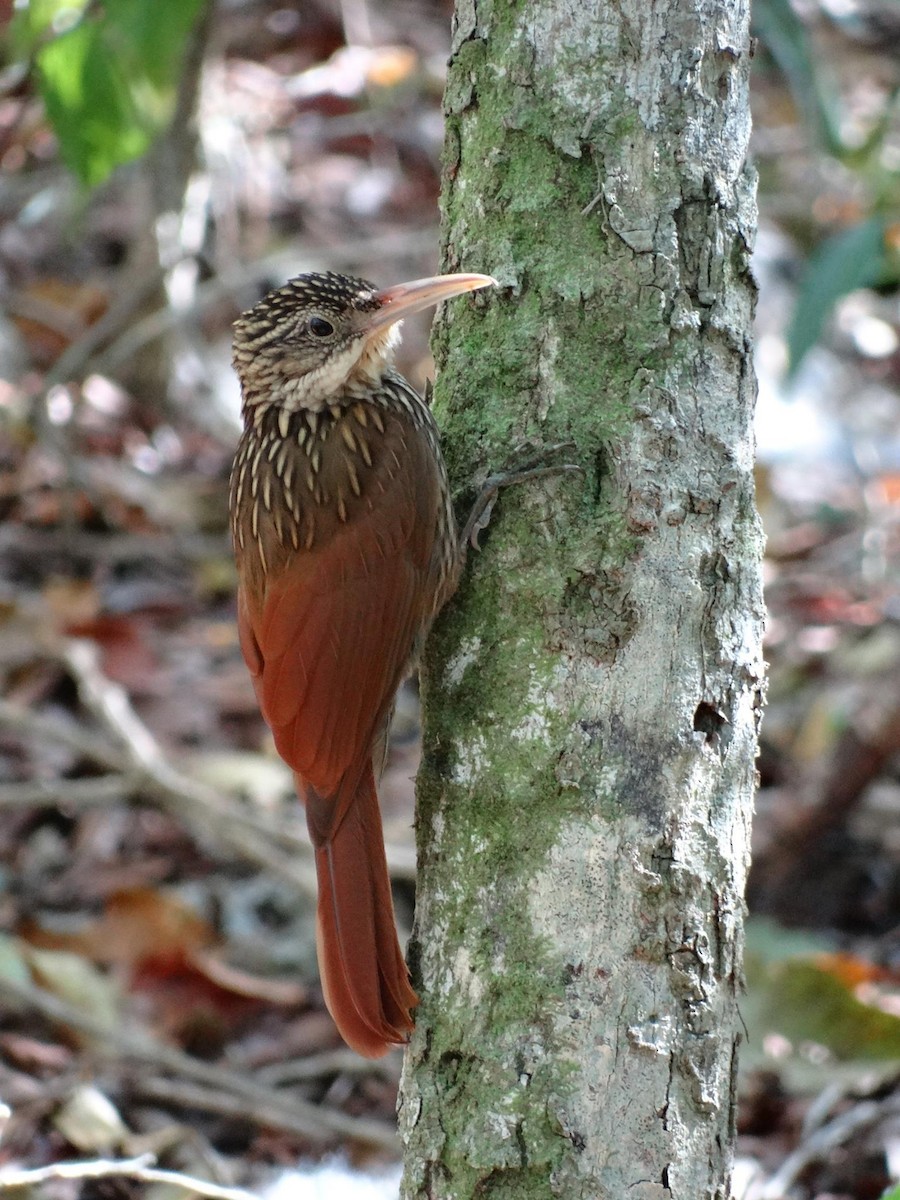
(346, 548)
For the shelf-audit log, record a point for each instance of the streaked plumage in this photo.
(346, 548)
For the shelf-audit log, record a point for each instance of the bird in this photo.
(346, 547)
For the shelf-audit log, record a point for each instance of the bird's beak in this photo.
(403, 299)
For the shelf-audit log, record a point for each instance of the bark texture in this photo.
(592, 694)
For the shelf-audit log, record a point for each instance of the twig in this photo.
(112, 547)
(53, 729)
(188, 798)
(211, 814)
(218, 1085)
(826, 1138)
(138, 765)
(244, 832)
(140, 1168)
(71, 793)
(56, 317)
(329, 1062)
(213, 1100)
(133, 294)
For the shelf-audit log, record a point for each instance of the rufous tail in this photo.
(364, 975)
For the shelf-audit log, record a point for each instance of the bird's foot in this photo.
(533, 468)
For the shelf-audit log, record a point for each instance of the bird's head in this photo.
(323, 337)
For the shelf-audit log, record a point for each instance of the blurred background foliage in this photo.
(164, 162)
(107, 73)
(864, 249)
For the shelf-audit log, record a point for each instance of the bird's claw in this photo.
(533, 468)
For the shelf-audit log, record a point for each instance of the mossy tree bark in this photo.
(592, 692)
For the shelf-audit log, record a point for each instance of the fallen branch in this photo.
(182, 1094)
(844, 1127)
(69, 793)
(218, 1086)
(138, 762)
(137, 755)
(140, 1168)
(329, 1062)
(112, 707)
(41, 727)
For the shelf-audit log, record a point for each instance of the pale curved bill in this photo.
(403, 299)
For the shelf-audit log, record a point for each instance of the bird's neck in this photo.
(348, 375)
(279, 404)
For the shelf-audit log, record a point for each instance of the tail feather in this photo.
(364, 975)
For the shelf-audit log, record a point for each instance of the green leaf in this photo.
(40, 19)
(851, 259)
(785, 36)
(109, 84)
(893, 1193)
(13, 968)
(89, 105)
(78, 982)
(795, 991)
(808, 1001)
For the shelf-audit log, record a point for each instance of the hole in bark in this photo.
(602, 470)
(708, 720)
(449, 1066)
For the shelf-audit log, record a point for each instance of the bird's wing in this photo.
(329, 635)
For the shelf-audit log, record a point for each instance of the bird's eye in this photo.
(319, 327)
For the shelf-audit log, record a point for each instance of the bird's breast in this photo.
(300, 478)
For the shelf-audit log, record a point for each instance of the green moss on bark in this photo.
(490, 775)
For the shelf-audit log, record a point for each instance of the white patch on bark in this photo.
(466, 655)
(547, 384)
(463, 976)
(534, 724)
(472, 758)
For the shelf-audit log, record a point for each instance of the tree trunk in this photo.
(592, 693)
